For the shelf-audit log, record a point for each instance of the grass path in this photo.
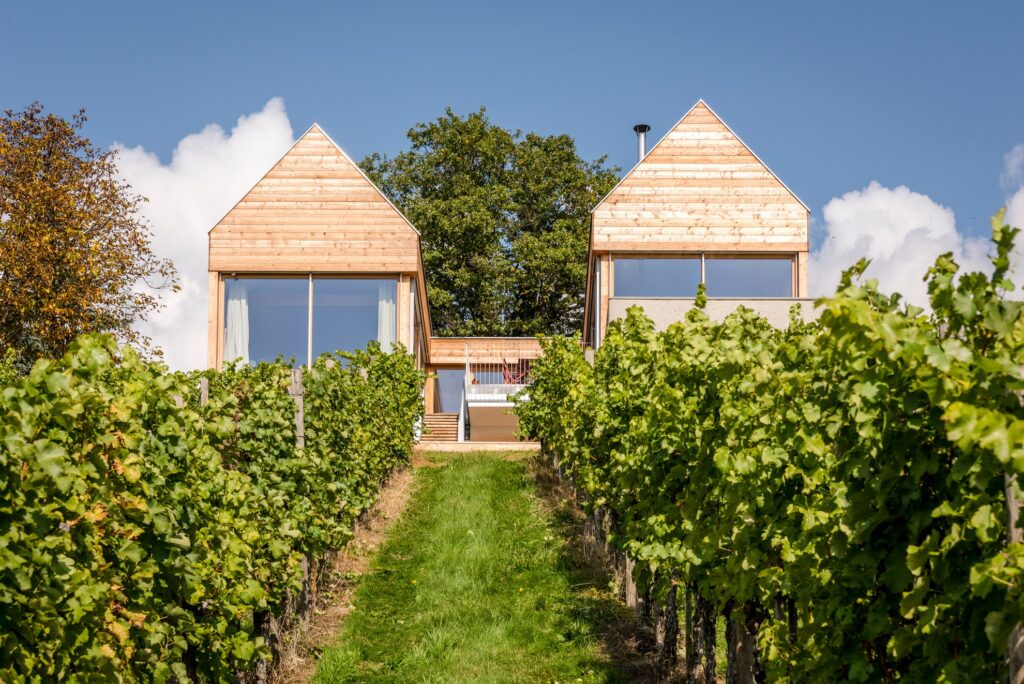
(475, 583)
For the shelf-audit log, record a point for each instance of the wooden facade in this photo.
(315, 212)
(699, 190)
(452, 352)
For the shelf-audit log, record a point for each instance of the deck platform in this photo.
(468, 447)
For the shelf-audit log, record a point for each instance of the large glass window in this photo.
(750, 277)
(451, 385)
(265, 318)
(269, 317)
(723, 275)
(657, 277)
(349, 312)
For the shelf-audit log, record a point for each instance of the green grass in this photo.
(473, 584)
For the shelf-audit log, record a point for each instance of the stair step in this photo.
(440, 427)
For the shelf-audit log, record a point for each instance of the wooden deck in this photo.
(470, 447)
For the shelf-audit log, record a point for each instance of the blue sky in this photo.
(831, 95)
(847, 102)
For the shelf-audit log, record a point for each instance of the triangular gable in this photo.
(699, 188)
(315, 210)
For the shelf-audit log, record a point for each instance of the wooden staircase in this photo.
(440, 427)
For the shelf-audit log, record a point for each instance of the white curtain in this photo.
(386, 314)
(236, 337)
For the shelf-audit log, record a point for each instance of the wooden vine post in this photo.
(1015, 643)
(295, 392)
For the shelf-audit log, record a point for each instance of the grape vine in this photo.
(143, 534)
(838, 485)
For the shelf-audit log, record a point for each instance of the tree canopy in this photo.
(505, 220)
(74, 251)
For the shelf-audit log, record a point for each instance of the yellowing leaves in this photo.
(96, 514)
(855, 468)
(140, 525)
(63, 276)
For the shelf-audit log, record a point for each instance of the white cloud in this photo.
(1013, 183)
(1015, 214)
(209, 171)
(900, 231)
(1013, 169)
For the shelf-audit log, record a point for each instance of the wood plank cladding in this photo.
(451, 351)
(699, 189)
(314, 211)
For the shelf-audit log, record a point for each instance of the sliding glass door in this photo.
(349, 312)
(266, 318)
(302, 318)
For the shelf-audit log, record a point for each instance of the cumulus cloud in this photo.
(1015, 211)
(1013, 183)
(1013, 169)
(900, 231)
(209, 171)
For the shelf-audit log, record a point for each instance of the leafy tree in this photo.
(74, 252)
(505, 219)
(8, 367)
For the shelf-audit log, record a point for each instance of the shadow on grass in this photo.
(478, 582)
(625, 640)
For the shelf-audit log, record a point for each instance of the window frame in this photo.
(309, 277)
(704, 256)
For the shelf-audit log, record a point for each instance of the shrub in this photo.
(141, 531)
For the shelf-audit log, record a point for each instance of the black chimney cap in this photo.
(641, 128)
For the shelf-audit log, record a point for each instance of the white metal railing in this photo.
(417, 428)
(494, 379)
(493, 392)
(506, 373)
(463, 417)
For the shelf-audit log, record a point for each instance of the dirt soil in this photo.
(625, 640)
(298, 664)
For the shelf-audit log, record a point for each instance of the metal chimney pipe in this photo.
(641, 140)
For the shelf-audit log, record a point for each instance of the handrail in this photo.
(464, 404)
(417, 427)
(463, 413)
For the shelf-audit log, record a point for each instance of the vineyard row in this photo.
(150, 530)
(837, 490)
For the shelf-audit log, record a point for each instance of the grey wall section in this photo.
(668, 310)
(492, 424)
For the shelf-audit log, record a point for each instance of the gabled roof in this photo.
(314, 210)
(698, 114)
(346, 166)
(699, 185)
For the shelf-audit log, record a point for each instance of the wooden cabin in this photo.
(314, 258)
(698, 207)
(472, 382)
